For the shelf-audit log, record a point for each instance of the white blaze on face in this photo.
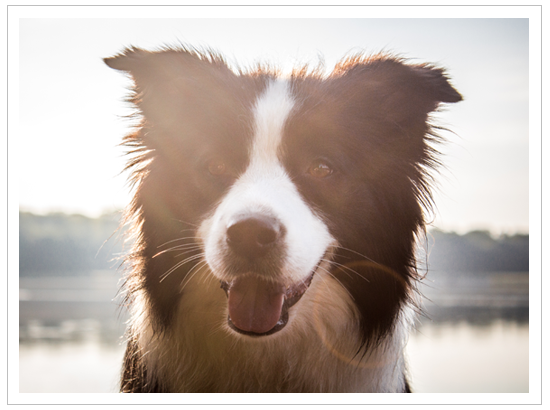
(270, 114)
(265, 188)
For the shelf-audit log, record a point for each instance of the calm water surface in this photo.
(475, 337)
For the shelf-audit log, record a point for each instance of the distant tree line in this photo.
(477, 251)
(59, 244)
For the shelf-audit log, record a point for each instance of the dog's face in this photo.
(263, 240)
(279, 178)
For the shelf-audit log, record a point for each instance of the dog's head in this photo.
(280, 179)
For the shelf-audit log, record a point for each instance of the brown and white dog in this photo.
(275, 221)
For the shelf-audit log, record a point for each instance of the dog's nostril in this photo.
(252, 236)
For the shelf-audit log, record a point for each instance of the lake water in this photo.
(475, 337)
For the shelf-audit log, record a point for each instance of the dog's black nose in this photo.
(252, 236)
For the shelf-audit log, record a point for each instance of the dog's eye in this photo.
(319, 169)
(216, 166)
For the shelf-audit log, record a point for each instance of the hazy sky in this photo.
(70, 103)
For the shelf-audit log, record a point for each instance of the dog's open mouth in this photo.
(258, 307)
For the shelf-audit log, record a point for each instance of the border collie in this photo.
(275, 221)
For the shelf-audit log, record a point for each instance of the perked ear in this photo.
(422, 89)
(173, 82)
(396, 91)
(435, 84)
(419, 90)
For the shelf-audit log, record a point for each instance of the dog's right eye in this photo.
(319, 169)
(216, 167)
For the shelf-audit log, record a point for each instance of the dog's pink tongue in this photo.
(255, 304)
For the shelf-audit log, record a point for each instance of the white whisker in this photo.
(345, 268)
(188, 247)
(179, 264)
(358, 254)
(193, 272)
(177, 239)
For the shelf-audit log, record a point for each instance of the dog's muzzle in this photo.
(258, 303)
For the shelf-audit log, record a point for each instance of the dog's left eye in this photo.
(319, 169)
(217, 167)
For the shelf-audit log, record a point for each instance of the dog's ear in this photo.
(174, 84)
(388, 88)
(430, 86)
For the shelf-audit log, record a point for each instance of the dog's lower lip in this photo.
(292, 295)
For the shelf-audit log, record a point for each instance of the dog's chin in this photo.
(259, 307)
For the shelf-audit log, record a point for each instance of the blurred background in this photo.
(474, 336)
